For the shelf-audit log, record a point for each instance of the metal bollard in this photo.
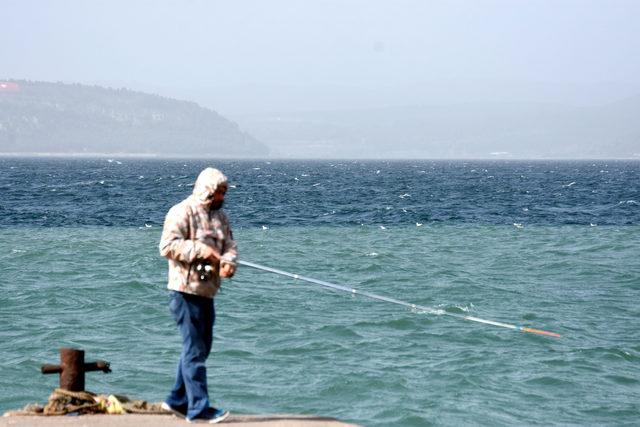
(72, 369)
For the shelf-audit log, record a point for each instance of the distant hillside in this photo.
(39, 117)
(499, 130)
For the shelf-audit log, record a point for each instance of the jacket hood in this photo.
(207, 183)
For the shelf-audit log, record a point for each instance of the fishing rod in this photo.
(370, 295)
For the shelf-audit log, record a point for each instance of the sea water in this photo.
(548, 245)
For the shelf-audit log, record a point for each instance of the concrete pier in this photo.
(135, 420)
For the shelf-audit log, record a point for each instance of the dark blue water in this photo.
(54, 193)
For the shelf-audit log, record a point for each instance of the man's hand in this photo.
(210, 254)
(227, 270)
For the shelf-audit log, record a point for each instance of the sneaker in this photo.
(175, 411)
(212, 416)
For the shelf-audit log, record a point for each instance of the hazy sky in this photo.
(285, 55)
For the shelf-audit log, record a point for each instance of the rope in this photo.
(63, 402)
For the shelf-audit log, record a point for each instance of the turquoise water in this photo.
(286, 346)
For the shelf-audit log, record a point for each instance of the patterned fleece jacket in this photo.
(188, 227)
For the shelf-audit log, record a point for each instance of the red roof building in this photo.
(9, 87)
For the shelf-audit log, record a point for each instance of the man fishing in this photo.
(198, 243)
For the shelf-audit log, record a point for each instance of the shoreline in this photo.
(152, 156)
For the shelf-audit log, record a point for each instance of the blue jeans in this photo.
(195, 317)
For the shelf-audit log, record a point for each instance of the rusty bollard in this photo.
(72, 369)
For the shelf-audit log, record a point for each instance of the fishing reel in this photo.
(204, 270)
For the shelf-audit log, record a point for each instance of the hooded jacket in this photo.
(188, 227)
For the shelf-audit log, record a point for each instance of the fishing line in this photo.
(429, 310)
